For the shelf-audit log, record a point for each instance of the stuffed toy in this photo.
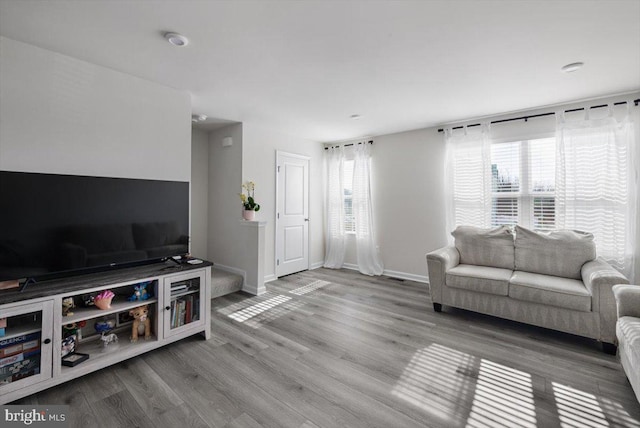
(141, 323)
(140, 292)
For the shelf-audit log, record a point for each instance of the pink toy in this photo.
(103, 300)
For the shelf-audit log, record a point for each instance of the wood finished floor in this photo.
(332, 348)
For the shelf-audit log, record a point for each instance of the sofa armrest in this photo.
(438, 263)
(599, 277)
(628, 300)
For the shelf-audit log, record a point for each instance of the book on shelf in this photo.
(19, 339)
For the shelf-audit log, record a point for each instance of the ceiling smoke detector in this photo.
(195, 118)
(176, 39)
(574, 66)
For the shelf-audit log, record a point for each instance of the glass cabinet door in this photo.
(26, 346)
(184, 302)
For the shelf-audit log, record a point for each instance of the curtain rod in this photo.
(350, 144)
(526, 118)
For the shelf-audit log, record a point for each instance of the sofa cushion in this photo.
(550, 290)
(559, 253)
(485, 247)
(628, 334)
(482, 279)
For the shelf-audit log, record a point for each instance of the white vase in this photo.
(249, 215)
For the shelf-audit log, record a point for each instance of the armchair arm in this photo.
(628, 300)
(438, 263)
(599, 277)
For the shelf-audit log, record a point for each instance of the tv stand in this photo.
(40, 329)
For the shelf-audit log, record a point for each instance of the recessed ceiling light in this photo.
(195, 118)
(569, 68)
(176, 39)
(355, 116)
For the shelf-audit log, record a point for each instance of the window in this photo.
(347, 182)
(523, 183)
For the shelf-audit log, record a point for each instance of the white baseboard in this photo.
(254, 289)
(316, 265)
(269, 278)
(407, 276)
(237, 271)
(394, 274)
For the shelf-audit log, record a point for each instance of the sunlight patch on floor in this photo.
(261, 309)
(578, 408)
(617, 414)
(503, 397)
(433, 380)
(313, 286)
(442, 381)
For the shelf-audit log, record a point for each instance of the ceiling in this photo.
(304, 67)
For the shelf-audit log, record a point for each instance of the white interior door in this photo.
(292, 213)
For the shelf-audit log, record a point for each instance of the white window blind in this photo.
(349, 220)
(523, 183)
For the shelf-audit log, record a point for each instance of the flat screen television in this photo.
(54, 225)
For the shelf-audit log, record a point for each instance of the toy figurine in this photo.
(104, 325)
(107, 338)
(141, 323)
(140, 292)
(67, 305)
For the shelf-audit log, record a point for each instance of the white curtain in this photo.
(334, 234)
(596, 186)
(468, 177)
(369, 261)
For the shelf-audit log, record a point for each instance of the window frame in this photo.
(525, 196)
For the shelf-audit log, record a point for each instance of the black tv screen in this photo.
(55, 225)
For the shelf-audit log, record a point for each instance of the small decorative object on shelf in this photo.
(88, 299)
(74, 359)
(104, 325)
(3, 326)
(107, 338)
(141, 323)
(68, 345)
(67, 305)
(249, 204)
(103, 300)
(140, 292)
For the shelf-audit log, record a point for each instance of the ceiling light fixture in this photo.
(570, 68)
(176, 39)
(195, 118)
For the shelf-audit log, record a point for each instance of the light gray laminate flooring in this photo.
(330, 348)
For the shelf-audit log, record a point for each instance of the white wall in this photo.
(408, 188)
(62, 115)
(259, 166)
(199, 193)
(407, 183)
(225, 209)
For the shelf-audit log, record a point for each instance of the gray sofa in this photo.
(628, 332)
(551, 280)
